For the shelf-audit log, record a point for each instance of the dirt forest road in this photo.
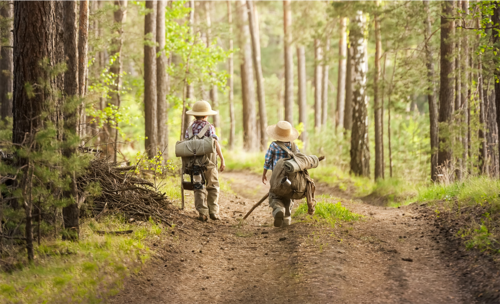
(391, 256)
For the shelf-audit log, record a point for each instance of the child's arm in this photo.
(264, 177)
(219, 152)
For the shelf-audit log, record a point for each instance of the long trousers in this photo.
(206, 201)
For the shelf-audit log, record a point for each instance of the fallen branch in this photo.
(256, 205)
(114, 232)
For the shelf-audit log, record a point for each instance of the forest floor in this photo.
(391, 255)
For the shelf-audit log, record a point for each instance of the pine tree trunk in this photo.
(492, 136)
(250, 142)
(6, 61)
(161, 81)
(341, 79)
(348, 91)
(150, 94)
(258, 74)
(71, 213)
(301, 64)
(496, 35)
(188, 88)
(116, 49)
(360, 153)
(83, 31)
(230, 80)
(446, 93)
(317, 83)
(287, 27)
(324, 86)
(431, 95)
(378, 105)
(214, 96)
(465, 89)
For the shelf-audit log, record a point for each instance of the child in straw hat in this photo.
(207, 201)
(284, 132)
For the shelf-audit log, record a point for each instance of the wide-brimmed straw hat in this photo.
(201, 108)
(282, 131)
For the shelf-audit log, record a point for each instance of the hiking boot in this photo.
(202, 217)
(287, 221)
(278, 219)
(214, 217)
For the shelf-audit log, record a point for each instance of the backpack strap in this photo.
(284, 147)
(202, 131)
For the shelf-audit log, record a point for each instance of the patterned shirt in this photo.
(275, 153)
(200, 124)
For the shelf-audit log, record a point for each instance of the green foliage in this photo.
(87, 271)
(329, 212)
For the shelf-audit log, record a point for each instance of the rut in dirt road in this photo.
(390, 256)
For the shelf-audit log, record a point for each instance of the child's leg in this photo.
(278, 209)
(213, 189)
(200, 201)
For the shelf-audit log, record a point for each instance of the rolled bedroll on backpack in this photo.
(301, 162)
(195, 146)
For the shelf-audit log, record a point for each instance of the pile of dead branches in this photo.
(122, 191)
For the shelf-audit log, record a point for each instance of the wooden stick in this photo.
(114, 232)
(182, 189)
(256, 205)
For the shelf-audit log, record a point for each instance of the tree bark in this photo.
(360, 153)
(348, 91)
(230, 81)
(287, 27)
(161, 79)
(6, 61)
(341, 79)
(317, 84)
(116, 68)
(188, 88)
(301, 64)
(150, 94)
(431, 94)
(258, 75)
(249, 118)
(465, 88)
(378, 106)
(71, 212)
(446, 93)
(214, 96)
(496, 38)
(82, 64)
(324, 85)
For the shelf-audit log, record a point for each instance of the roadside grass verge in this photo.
(88, 271)
(244, 161)
(327, 212)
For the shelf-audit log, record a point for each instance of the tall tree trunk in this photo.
(465, 88)
(431, 95)
(83, 32)
(324, 85)
(161, 81)
(496, 40)
(446, 93)
(249, 118)
(71, 213)
(492, 136)
(360, 152)
(287, 27)
(116, 49)
(301, 64)
(150, 94)
(230, 81)
(341, 79)
(258, 75)
(317, 83)
(378, 106)
(458, 100)
(214, 97)
(348, 90)
(188, 88)
(6, 61)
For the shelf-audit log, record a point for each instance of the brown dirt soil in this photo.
(390, 256)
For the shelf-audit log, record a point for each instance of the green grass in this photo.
(244, 161)
(87, 271)
(328, 212)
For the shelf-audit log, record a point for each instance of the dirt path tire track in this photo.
(361, 262)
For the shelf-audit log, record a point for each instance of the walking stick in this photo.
(256, 205)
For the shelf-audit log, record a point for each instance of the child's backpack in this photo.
(194, 153)
(294, 185)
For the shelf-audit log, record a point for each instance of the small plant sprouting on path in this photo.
(329, 212)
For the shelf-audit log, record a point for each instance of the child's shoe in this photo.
(278, 219)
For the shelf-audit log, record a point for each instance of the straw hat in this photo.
(201, 108)
(282, 131)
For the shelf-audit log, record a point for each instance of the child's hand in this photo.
(264, 179)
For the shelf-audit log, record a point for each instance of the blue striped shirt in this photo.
(275, 153)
